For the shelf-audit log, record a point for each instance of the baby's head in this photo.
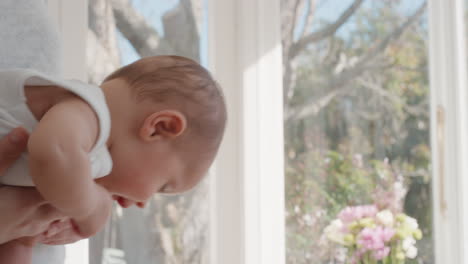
(168, 119)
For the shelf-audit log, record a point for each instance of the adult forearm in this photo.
(25, 213)
(15, 252)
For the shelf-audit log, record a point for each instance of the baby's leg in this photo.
(16, 252)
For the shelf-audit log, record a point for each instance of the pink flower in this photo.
(356, 256)
(379, 254)
(386, 233)
(352, 213)
(374, 239)
(369, 239)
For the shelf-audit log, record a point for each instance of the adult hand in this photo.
(24, 212)
(11, 148)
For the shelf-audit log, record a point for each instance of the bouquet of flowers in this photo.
(373, 236)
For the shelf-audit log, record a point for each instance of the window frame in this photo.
(248, 221)
(449, 129)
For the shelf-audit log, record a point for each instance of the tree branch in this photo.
(309, 17)
(312, 107)
(144, 38)
(100, 60)
(288, 20)
(420, 109)
(180, 30)
(101, 22)
(327, 31)
(383, 44)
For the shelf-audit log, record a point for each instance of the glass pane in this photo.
(171, 229)
(357, 152)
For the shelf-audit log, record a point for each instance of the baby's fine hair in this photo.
(185, 85)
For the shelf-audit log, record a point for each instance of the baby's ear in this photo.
(166, 124)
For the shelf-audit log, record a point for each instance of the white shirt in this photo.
(14, 112)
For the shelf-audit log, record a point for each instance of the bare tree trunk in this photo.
(102, 52)
(180, 30)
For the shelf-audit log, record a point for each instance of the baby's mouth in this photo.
(125, 203)
(120, 200)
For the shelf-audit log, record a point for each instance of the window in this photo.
(357, 118)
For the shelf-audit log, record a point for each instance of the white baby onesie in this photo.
(14, 112)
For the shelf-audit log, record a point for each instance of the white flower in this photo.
(385, 217)
(333, 231)
(408, 246)
(412, 252)
(297, 209)
(411, 222)
(341, 254)
(408, 243)
(308, 219)
(399, 190)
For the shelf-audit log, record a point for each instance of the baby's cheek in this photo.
(134, 189)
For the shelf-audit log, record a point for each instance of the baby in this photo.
(153, 126)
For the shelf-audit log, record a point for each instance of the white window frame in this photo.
(248, 222)
(248, 188)
(449, 129)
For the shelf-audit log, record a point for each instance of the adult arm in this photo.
(24, 212)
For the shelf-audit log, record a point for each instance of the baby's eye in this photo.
(164, 188)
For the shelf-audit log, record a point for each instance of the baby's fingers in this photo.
(65, 237)
(57, 227)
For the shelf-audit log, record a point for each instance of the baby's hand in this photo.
(93, 223)
(60, 233)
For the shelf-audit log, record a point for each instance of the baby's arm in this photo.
(60, 167)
